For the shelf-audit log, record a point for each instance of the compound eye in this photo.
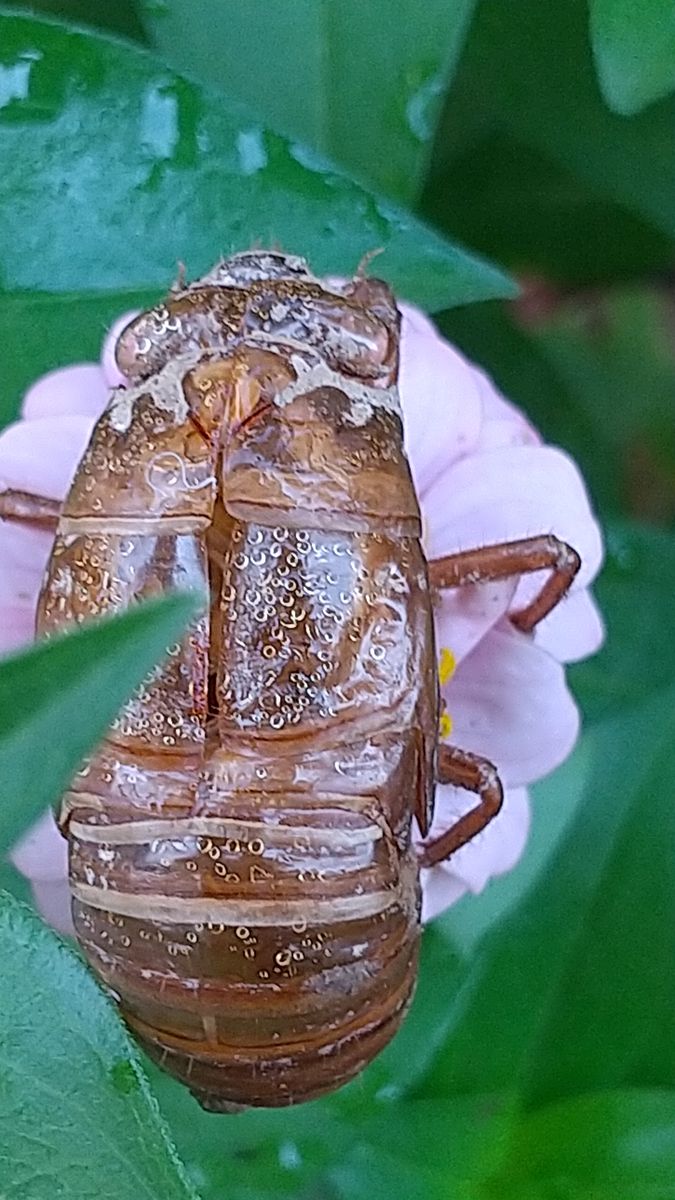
(358, 342)
(133, 348)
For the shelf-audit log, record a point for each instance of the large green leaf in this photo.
(361, 82)
(634, 46)
(77, 1118)
(635, 592)
(48, 330)
(259, 1154)
(121, 17)
(609, 1020)
(425, 1148)
(58, 697)
(604, 1146)
(575, 989)
(516, 202)
(527, 77)
(114, 168)
(384, 1148)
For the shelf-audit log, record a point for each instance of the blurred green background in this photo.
(479, 142)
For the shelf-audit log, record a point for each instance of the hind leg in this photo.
(474, 774)
(458, 767)
(508, 559)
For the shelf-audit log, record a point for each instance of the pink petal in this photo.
(441, 405)
(462, 616)
(17, 627)
(574, 630)
(418, 321)
(53, 901)
(508, 494)
(41, 455)
(23, 555)
(41, 855)
(440, 890)
(498, 435)
(497, 409)
(111, 372)
(493, 852)
(509, 702)
(80, 389)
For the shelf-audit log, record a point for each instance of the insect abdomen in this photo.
(280, 953)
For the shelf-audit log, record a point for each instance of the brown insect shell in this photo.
(303, 311)
(241, 865)
(328, 449)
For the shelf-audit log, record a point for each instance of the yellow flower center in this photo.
(446, 665)
(444, 724)
(446, 669)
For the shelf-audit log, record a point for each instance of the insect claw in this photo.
(365, 261)
(180, 281)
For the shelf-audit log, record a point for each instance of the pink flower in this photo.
(483, 476)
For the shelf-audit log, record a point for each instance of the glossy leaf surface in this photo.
(363, 83)
(115, 168)
(608, 1145)
(58, 697)
(634, 46)
(77, 1118)
(526, 92)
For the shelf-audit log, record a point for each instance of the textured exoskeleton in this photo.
(240, 846)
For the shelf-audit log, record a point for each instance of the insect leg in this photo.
(29, 509)
(475, 774)
(506, 559)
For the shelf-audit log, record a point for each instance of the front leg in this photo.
(474, 774)
(29, 509)
(506, 559)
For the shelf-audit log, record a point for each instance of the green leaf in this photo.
(259, 1154)
(535, 215)
(575, 989)
(363, 83)
(372, 1172)
(634, 47)
(609, 1021)
(49, 330)
(316, 1149)
(635, 592)
(77, 1117)
(527, 76)
(58, 697)
(615, 1145)
(120, 17)
(115, 168)
(421, 1147)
